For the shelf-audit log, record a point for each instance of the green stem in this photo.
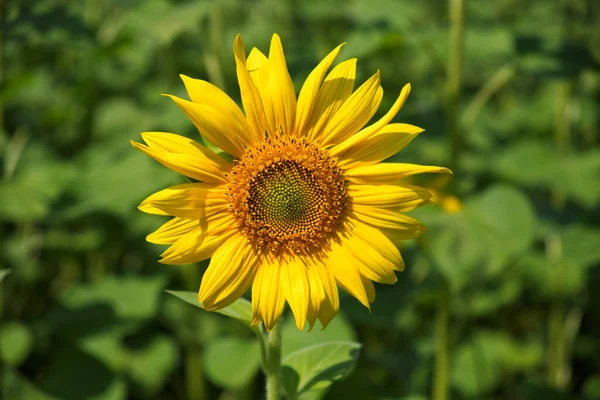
(556, 345)
(492, 86)
(273, 363)
(194, 376)
(562, 131)
(213, 59)
(440, 378)
(562, 123)
(455, 58)
(2, 24)
(195, 382)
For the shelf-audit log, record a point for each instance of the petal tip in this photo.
(300, 326)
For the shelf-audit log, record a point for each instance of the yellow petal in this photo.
(385, 120)
(307, 100)
(378, 257)
(296, 290)
(229, 274)
(189, 200)
(316, 293)
(334, 91)
(361, 150)
(172, 143)
(331, 304)
(217, 221)
(370, 263)
(200, 243)
(172, 230)
(150, 209)
(346, 272)
(401, 198)
(205, 93)
(216, 126)
(389, 173)
(281, 89)
(324, 297)
(382, 245)
(328, 311)
(194, 247)
(356, 111)
(373, 128)
(268, 297)
(369, 288)
(386, 218)
(184, 156)
(257, 65)
(253, 106)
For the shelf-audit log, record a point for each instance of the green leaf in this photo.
(480, 364)
(232, 362)
(33, 190)
(130, 297)
(591, 388)
(152, 366)
(15, 386)
(493, 229)
(191, 327)
(16, 342)
(503, 221)
(74, 375)
(161, 20)
(551, 280)
(116, 302)
(241, 309)
(25, 205)
(107, 347)
(579, 246)
(538, 164)
(316, 367)
(3, 273)
(108, 189)
(487, 300)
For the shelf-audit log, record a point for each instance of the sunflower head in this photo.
(306, 206)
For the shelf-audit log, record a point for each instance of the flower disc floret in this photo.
(287, 194)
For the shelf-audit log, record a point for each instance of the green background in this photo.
(511, 283)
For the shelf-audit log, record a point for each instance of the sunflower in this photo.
(305, 205)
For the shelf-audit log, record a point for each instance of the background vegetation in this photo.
(500, 298)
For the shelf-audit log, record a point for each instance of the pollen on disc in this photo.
(287, 194)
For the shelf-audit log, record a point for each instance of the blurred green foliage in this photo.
(84, 314)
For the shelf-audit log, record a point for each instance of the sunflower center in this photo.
(287, 194)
